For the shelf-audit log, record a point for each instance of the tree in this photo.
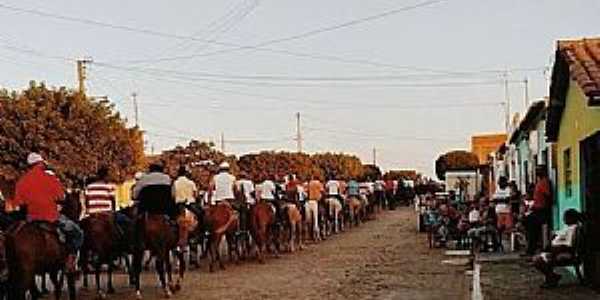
(339, 165)
(74, 133)
(371, 172)
(455, 161)
(200, 158)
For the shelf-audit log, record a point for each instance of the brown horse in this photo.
(35, 248)
(292, 233)
(355, 209)
(262, 221)
(155, 233)
(220, 220)
(103, 243)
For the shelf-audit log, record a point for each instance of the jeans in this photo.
(73, 233)
(534, 223)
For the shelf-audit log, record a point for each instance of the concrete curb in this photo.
(476, 293)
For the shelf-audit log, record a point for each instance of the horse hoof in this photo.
(101, 295)
(138, 295)
(168, 293)
(110, 291)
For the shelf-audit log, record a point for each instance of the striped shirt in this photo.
(99, 197)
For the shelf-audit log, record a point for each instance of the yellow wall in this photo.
(578, 122)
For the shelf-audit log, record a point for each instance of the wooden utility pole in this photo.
(81, 74)
(298, 134)
(507, 99)
(526, 82)
(135, 108)
(222, 142)
(374, 156)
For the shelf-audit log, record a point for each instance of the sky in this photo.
(412, 79)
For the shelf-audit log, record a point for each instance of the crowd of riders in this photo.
(39, 196)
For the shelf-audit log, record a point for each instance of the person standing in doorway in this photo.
(540, 210)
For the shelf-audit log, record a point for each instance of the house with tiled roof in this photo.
(529, 141)
(573, 124)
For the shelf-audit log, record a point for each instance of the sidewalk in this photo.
(506, 276)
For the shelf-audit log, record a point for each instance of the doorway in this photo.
(590, 192)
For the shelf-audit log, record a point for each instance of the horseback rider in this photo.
(247, 191)
(222, 185)
(315, 193)
(268, 193)
(291, 189)
(100, 198)
(153, 194)
(185, 192)
(39, 193)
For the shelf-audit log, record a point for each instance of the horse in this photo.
(154, 232)
(220, 220)
(102, 245)
(355, 210)
(293, 226)
(262, 221)
(335, 214)
(35, 248)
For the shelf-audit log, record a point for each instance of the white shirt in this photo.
(223, 186)
(267, 190)
(474, 216)
(503, 195)
(184, 190)
(379, 185)
(565, 237)
(248, 187)
(333, 187)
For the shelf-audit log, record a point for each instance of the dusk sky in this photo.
(415, 80)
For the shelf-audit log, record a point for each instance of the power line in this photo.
(227, 44)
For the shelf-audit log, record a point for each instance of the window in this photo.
(568, 172)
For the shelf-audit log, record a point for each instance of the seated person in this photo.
(561, 249)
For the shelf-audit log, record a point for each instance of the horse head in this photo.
(72, 206)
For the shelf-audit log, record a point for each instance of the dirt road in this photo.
(383, 259)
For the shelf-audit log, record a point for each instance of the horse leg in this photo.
(159, 263)
(57, 283)
(109, 284)
(138, 256)
(292, 236)
(97, 272)
(71, 281)
(182, 268)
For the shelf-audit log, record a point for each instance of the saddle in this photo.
(44, 226)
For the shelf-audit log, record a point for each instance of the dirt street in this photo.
(383, 259)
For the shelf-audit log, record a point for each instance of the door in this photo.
(590, 190)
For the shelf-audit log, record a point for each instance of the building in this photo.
(529, 141)
(573, 124)
(486, 144)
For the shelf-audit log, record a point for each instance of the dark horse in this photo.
(35, 248)
(102, 245)
(154, 232)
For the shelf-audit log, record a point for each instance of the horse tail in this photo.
(225, 226)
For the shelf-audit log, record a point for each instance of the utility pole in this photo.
(135, 108)
(374, 156)
(526, 82)
(222, 142)
(81, 74)
(298, 134)
(507, 99)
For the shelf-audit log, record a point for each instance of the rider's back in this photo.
(39, 191)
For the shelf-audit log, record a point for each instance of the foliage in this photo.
(74, 133)
(402, 174)
(455, 161)
(266, 164)
(201, 159)
(371, 172)
(339, 165)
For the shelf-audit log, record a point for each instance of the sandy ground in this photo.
(382, 259)
(518, 280)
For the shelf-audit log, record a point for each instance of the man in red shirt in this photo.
(39, 192)
(542, 200)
